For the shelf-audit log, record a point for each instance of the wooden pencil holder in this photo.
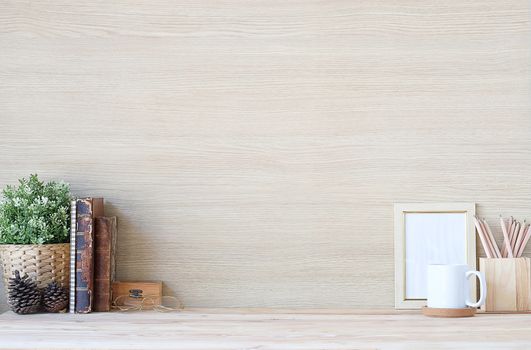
(508, 284)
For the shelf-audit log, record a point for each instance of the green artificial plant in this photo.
(35, 212)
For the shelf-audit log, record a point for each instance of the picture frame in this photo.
(430, 233)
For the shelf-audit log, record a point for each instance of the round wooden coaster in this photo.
(433, 312)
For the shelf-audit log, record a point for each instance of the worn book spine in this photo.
(73, 220)
(86, 210)
(104, 237)
(113, 252)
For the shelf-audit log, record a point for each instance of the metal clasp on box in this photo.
(135, 293)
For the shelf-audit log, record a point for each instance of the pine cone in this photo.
(55, 298)
(23, 295)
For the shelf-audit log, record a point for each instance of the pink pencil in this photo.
(511, 231)
(487, 229)
(506, 225)
(515, 234)
(506, 250)
(519, 238)
(490, 237)
(510, 222)
(527, 235)
(483, 238)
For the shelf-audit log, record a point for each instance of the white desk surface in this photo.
(263, 329)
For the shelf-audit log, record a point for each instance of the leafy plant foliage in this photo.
(35, 212)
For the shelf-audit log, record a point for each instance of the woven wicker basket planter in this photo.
(43, 263)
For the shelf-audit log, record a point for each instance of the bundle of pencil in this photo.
(515, 237)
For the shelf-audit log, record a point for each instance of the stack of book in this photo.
(92, 245)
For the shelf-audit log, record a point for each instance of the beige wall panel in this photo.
(253, 150)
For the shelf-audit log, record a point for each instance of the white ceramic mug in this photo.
(448, 287)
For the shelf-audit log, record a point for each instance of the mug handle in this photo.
(482, 288)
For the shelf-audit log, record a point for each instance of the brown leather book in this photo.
(104, 243)
(86, 210)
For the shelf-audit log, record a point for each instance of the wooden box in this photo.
(508, 284)
(134, 293)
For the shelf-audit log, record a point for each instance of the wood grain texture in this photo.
(266, 329)
(508, 284)
(253, 151)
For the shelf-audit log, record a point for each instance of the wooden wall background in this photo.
(253, 150)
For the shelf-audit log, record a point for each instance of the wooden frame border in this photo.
(400, 209)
